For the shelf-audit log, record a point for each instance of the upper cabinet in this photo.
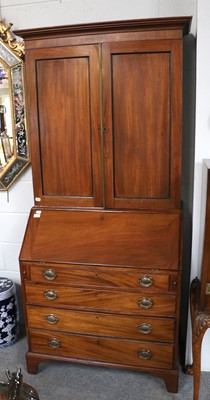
(105, 114)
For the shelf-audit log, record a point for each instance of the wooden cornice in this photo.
(179, 23)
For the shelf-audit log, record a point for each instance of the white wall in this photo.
(16, 203)
(202, 151)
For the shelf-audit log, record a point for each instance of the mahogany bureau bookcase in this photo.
(101, 258)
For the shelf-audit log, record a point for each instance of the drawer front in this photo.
(105, 276)
(126, 352)
(101, 300)
(130, 327)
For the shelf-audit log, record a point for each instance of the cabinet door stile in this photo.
(107, 124)
(95, 100)
(176, 120)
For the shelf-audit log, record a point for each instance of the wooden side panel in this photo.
(104, 238)
(205, 275)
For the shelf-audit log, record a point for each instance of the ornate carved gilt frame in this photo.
(11, 59)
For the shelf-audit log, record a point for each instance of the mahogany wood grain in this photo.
(162, 282)
(122, 302)
(144, 240)
(141, 145)
(65, 94)
(105, 122)
(65, 130)
(95, 348)
(101, 324)
(142, 155)
(81, 184)
(180, 25)
(170, 376)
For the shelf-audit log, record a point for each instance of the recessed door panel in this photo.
(141, 125)
(65, 128)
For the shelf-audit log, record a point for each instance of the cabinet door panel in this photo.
(143, 136)
(68, 115)
(64, 135)
(140, 125)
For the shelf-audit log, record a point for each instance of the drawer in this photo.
(101, 300)
(105, 276)
(130, 327)
(105, 350)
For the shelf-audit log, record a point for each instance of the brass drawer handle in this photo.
(146, 281)
(49, 274)
(145, 302)
(50, 294)
(145, 328)
(54, 343)
(51, 319)
(145, 354)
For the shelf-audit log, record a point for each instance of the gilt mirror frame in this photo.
(14, 147)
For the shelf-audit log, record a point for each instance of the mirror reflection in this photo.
(6, 131)
(14, 153)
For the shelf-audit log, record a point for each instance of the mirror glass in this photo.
(6, 131)
(14, 153)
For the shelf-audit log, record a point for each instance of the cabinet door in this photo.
(64, 117)
(142, 86)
